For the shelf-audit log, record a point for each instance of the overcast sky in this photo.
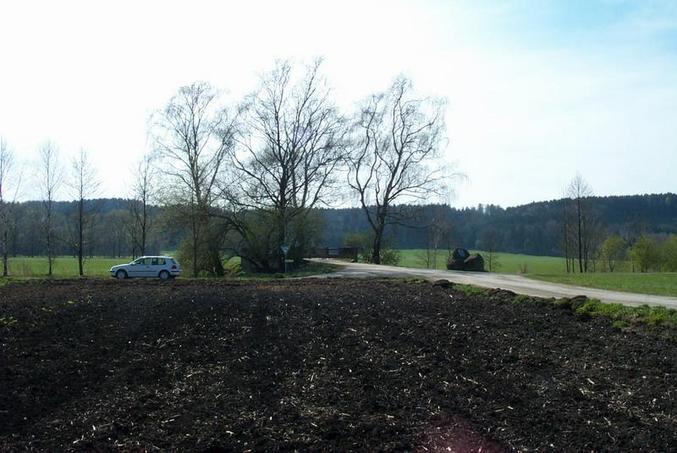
(537, 90)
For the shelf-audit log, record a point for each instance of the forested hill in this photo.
(534, 228)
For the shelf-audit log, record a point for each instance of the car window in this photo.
(161, 261)
(154, 262)
(138, 261)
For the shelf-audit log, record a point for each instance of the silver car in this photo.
(163, 267)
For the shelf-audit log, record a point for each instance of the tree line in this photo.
(534, 229)
(629, 220)
(247, 178)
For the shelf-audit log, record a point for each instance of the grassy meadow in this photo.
(553, 269)
(658, 283)
(62, 267)
(508, 263)
(67, 267)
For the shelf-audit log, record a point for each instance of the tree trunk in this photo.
(565, 234)
(143, 228)
(281, 238)
(81, 219)
(196, 238)
(376, 249)
(48, 238)
(5, 259)
(580, 235)
(49, 255)
(378, 241)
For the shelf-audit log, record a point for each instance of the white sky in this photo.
(537, 90)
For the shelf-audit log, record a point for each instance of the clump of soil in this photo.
(321, 365)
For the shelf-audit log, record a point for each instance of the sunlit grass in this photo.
(622, 315)
(508, 263)
(662, 284)
(553, 269)
(62, 267)
(22, 268)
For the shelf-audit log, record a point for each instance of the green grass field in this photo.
(662, 284)
(63, 266)
(508, 263)
(553, 269)
(66, 267)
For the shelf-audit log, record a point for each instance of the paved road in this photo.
(515, 283)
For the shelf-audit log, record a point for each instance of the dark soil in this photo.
(321, 365)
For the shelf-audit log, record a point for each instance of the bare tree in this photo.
(51, 175)
(434, 236)
(567, 235)
(396, 139)
(290, 146)
(115, 228)
(143, 192)
(491, 242)
(6, 164)
(84, 186)
(579, 222)
(193, 138)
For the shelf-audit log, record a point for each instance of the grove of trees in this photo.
(244, 178)
(531, 229)
(257, 178)
(290, 148)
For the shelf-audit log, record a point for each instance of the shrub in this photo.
(390, 256)
(669, 253)
(209, 262)
(364, 241)
(645, 254)
(232, 267)
(612, 251)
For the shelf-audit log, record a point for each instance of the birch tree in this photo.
(143, 193)
(51, 177)
(579, 222)
(84, 185)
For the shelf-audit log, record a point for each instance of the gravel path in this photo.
(515, 283)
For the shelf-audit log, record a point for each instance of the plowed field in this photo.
(321, 365)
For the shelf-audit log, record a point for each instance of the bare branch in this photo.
(396, 140)
(51, 178)
(289, 147)
(193, 139)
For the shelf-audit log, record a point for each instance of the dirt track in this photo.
(515, 283)
(329, 365)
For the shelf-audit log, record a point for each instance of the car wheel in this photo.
(120, 275)
(164, 275)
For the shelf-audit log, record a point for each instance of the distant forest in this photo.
(535, 228)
